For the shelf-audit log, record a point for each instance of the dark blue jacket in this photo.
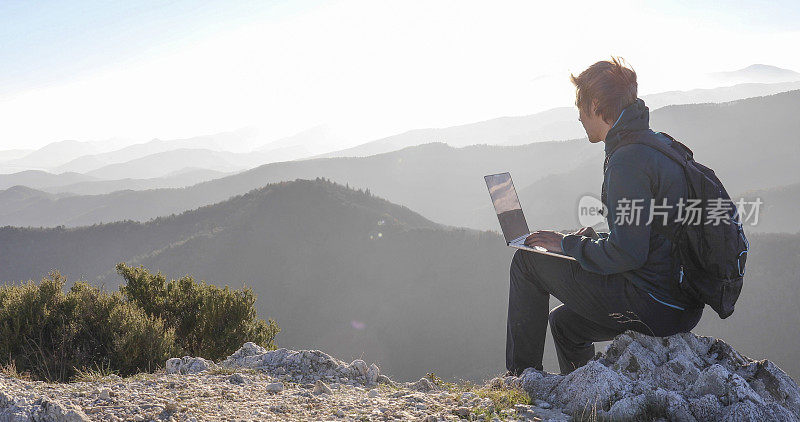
(637, 249)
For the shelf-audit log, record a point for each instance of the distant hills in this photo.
(778, 211)
(224, 141)
(446, 183)
(176, 179)
(306, 143)
(551, 125)
(81, 184)
(344, 271)
(51, 155)
(738, 139)
(751, 144)
(760, 73)
(39, 179)
(555, 124)
(164, 163)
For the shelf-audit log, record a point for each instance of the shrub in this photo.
(53, 334)
(57, 336)
(209, 321)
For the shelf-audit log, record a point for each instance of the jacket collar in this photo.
(633, 117)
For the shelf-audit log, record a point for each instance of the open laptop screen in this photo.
(506, 205)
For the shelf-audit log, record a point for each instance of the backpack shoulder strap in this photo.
(677, 151)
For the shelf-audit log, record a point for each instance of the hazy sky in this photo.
(92, 70)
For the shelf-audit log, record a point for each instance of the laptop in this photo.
(509, 212)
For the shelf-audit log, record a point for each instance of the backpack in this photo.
(712, 257)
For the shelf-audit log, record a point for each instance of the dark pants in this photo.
(595, 308)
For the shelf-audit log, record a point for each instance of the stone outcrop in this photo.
(304, 366)
(683, 377)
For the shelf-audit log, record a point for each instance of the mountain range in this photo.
(551, 125)
(740, 139)
(756, 73)
(555, 124)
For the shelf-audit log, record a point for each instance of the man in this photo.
(625, 279)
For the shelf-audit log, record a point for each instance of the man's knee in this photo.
(555, 318)
(559, 320)
(520, 261)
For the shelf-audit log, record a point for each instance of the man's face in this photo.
(593, 124)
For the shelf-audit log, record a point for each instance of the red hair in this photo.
(611, 83)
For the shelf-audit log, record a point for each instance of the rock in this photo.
(372, 374)
(593, 385)
(628, 408)
(247, 349)
(373, 393)
(746, 411)
(51, 410)
(360, 367)
(423, 385)
(467, 396)
(188, 365)
(383, 379)
(681, 377)
(462, 412)
(706, 408)
(237, 378)
(303, 366)
(275, 387)
(321, 388)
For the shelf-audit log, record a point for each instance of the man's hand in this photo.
(548, 239)
(588, 232)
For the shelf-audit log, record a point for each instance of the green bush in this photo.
(54, 336)
(51, 334)
(209, 321)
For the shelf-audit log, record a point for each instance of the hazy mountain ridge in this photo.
(404, 175)
(176, 179)
(551, 125)
(52, 155)
(757, 73)
(778, 211)
(163, 163)
(39, 179)
(555, 124)
(216, 142)
(446, 184)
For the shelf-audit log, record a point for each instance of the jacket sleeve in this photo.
(627, 245)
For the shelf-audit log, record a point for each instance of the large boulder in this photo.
(683, 377)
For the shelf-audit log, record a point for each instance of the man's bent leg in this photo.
(595, 298)
(574, 337)
(527, 319)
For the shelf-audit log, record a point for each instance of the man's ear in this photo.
(594, 107)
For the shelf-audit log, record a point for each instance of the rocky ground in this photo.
(255, 384)
(682, 377)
